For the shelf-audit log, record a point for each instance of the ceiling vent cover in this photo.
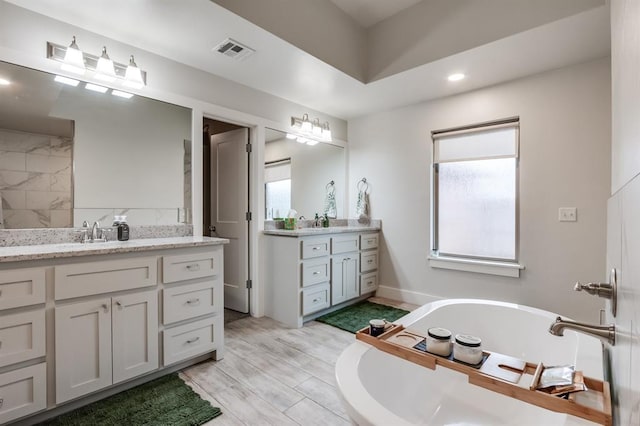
(234, 49)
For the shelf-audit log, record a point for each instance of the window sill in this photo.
(478, 266)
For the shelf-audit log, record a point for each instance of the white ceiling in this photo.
(370, 12)
(186, 31)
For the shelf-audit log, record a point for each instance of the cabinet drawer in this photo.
(368, 282)
(368, 261)
(315, 299)
(84, 279)
(186, 341)
(315, 271)
(23, 392)
(344, 243)
(21, 287)
(188, 301)
(369, 241)
(22, 337)
(189, 266)
(315, 248)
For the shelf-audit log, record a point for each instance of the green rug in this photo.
(164, 401)
(354, 317)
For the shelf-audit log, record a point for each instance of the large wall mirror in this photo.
(301, 177)
(69, 154)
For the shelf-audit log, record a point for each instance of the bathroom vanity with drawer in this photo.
(85, 319)
(309, 272)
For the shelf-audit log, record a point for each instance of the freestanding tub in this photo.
(381, 389)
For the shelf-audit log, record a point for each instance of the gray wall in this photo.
(564, 162)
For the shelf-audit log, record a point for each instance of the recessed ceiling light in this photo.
(67, 81)
(456, 77)
(121, 94)
(4, 82)
(96, 88)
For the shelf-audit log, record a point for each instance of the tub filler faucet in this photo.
(606, 333)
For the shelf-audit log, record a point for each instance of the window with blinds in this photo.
(475, 191)
(277, 182)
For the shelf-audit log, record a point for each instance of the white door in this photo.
(231, 203)
(135, 334)
(83, 348)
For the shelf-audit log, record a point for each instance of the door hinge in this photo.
(248, 216)
(249, 284)
(248, 147)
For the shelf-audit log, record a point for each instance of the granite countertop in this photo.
(54, 251)
(305, 232)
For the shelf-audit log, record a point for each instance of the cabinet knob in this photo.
(193, 301)
(316, 273)
(193, 268)
(316, 248)
(119, 304)
(106, 308)
(316, 300)
(195, 339)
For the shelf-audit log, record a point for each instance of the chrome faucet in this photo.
(95, 230)
(606, 333)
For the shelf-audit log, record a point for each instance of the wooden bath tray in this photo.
(499, 373)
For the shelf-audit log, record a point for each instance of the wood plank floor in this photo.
(274, 375)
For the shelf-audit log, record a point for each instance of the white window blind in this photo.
(499, 141)
(278, 170)
(475, 188)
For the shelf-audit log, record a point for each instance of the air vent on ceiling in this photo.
(234, 49)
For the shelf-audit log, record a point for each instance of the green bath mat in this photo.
(354, 317)
(164, 401)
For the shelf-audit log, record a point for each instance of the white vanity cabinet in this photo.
(75, 326)
(23, 378)
(308, 275)
(105, 341)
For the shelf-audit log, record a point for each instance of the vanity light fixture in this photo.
(66, 80)
(95, 88)
(73, 60)
(4, 82)
(291, 136)
(307, 130)
(120, 94)
(133, 76)
(105, 69)
(456, 77)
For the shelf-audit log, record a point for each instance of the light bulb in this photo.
(105, 70)
(133, 76)
(73, 59)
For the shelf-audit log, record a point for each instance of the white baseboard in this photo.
(405, 295)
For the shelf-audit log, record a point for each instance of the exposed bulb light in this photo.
(105, 69)
(4, 82)
(291, 136)
(312, 142)
(326, 132)
(305, 129)
(133, 75)
(95, 88)
(456, 77)
(120, 94)
(66, 80)
(317, 128)
(300, 139)
(306, 126)
(73, 59)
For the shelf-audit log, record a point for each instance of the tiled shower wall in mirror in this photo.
(35, 180)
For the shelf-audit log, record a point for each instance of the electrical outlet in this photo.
(567, 214)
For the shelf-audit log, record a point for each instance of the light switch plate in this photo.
(567, 214)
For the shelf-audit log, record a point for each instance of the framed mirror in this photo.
(299, 176)
(71, 151)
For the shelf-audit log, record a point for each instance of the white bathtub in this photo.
(382, 389)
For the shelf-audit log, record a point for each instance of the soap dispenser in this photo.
(123, 228)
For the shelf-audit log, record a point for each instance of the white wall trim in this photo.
(406, 295)
(503, 269)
